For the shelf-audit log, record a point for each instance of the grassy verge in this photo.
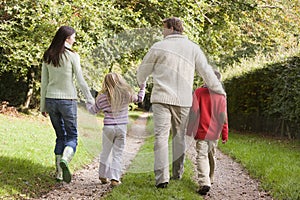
(276, 163)
(27, 163)
(26, 156)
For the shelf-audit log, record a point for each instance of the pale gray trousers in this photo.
(206, 161)
(113, 143)
(168, 117)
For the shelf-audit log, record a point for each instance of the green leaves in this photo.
(268, 93)
(115, 35)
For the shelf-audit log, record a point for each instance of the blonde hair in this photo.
(117, 90)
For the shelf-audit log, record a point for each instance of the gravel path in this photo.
(232, 182)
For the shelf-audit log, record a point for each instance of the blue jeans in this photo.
(63, 116)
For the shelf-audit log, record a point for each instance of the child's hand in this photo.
(143, 85)
(224, 141)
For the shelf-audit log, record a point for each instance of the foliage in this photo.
(228, 30)
(271, 92)
(117, 34)
(274, 162)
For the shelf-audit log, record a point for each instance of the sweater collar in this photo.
(68, 45)
(175, 36)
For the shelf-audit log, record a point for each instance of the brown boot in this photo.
(114, 183)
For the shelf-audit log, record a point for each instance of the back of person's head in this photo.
(112, 80)
(175, 23)
(117, 90)
(57, 46)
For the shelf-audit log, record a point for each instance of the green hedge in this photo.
(267, 99)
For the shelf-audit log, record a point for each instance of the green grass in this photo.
(27, 162)
(25, 159)
(276, 163)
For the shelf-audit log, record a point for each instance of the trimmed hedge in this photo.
(267, 100)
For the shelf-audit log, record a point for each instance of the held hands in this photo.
(143, 85)
(45, 114)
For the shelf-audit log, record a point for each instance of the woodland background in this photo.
(255, 43)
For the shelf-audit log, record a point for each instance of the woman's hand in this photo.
(45, 114)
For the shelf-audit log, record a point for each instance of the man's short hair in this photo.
(175, 23)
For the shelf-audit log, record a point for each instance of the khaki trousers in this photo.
(206, 163)
(167, 117)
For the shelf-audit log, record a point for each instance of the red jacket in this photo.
(208, 116)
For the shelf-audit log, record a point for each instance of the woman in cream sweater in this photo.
(58, 96)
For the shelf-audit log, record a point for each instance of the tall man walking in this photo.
(172, 63)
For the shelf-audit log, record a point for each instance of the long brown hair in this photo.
(57, 46)
(117, 90)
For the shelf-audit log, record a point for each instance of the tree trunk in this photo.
(30, 78)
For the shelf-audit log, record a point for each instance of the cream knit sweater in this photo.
(172, 63)
(57, 82)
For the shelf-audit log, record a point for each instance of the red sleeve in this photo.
(225, 126)
(225, 132)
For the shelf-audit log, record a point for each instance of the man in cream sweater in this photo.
(172, 63)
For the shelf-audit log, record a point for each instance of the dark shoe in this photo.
(162, 185)
(204, 190)
(175, 178)
(103, 180)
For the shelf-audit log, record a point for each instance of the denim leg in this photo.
(58, 125)
(68, 110)
(63, 115)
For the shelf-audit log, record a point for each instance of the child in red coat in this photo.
(208, 119)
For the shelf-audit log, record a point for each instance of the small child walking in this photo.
(113, 101)
(208, 119)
